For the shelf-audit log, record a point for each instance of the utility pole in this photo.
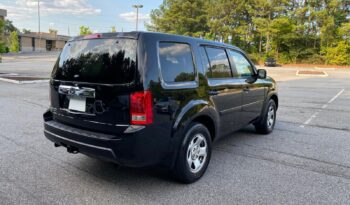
(39, 15)
(39, 23)
(137, 6)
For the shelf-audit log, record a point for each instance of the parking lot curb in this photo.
(23, 82)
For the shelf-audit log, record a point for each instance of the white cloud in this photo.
(131, 16)
(21, 9)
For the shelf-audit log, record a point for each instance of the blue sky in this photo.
(99, 15)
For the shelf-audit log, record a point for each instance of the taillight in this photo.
(141, 108)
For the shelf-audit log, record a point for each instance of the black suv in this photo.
(141, 99)
(270, 62)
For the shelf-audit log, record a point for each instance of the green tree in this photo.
(184, 17)
(9, 27)
(14, 42)
(293, 31)
(344, 31)
(264, 14)
(26, 30)
(84, 30)
(226, 22)
(113, 29)
(53, 31)
(2, 42)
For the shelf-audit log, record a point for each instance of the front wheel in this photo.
(194, 154)
(267, 121)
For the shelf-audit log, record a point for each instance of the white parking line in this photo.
(313, 116)
(335, 97)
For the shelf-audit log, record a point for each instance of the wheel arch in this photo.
(274, 97)
(209, 123)
(198, 111)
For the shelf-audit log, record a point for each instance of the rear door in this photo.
(91, 83)
(253, 89)
(224, 90)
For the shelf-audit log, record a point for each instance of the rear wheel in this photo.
(267, 122)
(194, 154)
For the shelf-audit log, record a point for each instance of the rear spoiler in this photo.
(130, 35)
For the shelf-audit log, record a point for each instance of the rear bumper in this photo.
(270, 64)
(134, 150)
(84, 142)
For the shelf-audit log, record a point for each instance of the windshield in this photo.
(108, 61)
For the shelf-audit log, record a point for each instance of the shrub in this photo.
(339, 55)
(284, 58)
(255, 58)
(14, 43)
(313, 59)
(2, 47)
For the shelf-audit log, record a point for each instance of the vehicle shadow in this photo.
(120, 176)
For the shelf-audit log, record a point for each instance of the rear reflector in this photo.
(141, 108)
(93, 36)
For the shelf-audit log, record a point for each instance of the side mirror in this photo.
(262, 73)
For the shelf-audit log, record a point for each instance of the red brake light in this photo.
(141, 108)
(92, 36)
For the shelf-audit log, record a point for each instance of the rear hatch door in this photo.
(91, 83)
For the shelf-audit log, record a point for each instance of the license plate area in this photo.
(77, 103)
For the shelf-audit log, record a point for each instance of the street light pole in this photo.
(39, 25)
(137, 6)
(39, 15)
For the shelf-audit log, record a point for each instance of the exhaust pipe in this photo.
(72, 150)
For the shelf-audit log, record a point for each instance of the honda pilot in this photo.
(140, 99)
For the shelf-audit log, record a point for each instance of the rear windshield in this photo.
(107, 61)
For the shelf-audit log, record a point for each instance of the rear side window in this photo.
(176, 62)
(107, 61)
(243, 67)
(219, 64)
(205, 61)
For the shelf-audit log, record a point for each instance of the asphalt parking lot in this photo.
(306, 160)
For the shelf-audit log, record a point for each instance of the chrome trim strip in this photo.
(100, 123)
(134, 128)
(100, 84)
(76, 91)
(76, 113)
(212, 82)
(109, 124)
(252, 103)
(239, 107)
(230, 109)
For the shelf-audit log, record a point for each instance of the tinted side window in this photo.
(243, 67)
(176, 62)
(219, 64)
(205, 61)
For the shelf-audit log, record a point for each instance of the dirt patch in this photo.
(315, 65)
(310, 72)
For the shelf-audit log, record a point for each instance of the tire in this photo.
(267, 121)
(194, 154)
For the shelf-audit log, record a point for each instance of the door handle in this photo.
(213, 92)
(246, 89)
